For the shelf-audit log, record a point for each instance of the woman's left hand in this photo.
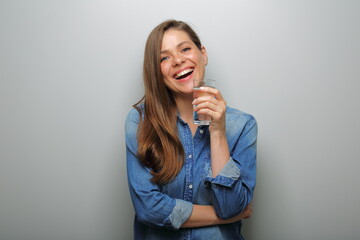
(214, 105)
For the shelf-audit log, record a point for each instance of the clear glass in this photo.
(202, 119)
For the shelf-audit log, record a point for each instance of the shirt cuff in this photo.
(227, 176)
(180, 213)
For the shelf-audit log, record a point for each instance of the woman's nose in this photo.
(178, 59)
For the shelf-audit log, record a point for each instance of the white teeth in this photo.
(182, 73)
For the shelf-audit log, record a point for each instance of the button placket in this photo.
(188, 194)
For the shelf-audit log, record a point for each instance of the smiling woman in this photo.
(187, 181)
(181, 61)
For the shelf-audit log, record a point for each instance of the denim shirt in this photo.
(160, 210)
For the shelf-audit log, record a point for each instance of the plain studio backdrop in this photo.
(70, 71)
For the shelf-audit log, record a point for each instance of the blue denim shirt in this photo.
(160, 210)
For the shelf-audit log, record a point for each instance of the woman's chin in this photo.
(184, 92)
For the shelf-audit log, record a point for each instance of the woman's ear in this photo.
(204, 53)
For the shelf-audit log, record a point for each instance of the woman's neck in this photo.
(185, 107)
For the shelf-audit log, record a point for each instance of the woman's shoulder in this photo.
(237, 120)
(133, 115)
(234, 114)
(133, 120)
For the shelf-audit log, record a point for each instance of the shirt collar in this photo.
(180, 119)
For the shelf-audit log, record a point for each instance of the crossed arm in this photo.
(204, 215)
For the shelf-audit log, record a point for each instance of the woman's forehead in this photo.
(173, 39)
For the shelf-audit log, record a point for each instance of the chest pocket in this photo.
(206, 165)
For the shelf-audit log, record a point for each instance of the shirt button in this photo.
(190, 156)
(190, 186)
(201, 131)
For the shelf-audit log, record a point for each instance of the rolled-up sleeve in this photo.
(227, 176)
(152, 207)
(234, 186)
(180, 213)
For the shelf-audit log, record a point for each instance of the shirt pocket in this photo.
(206, 165)
(204, 194)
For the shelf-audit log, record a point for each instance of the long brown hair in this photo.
(160, 148)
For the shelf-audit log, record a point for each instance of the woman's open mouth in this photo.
(183, 74)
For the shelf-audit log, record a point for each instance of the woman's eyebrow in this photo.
(166, 51)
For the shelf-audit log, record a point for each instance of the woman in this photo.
(180, 189)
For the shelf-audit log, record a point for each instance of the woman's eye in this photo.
(163, 59)
(186, 49)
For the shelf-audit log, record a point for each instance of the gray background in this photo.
(70, 71)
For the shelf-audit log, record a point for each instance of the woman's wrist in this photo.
(217, 132)
(218, 136)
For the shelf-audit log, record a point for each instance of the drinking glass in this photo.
(202, 119)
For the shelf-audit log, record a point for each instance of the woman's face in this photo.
(181, 61)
